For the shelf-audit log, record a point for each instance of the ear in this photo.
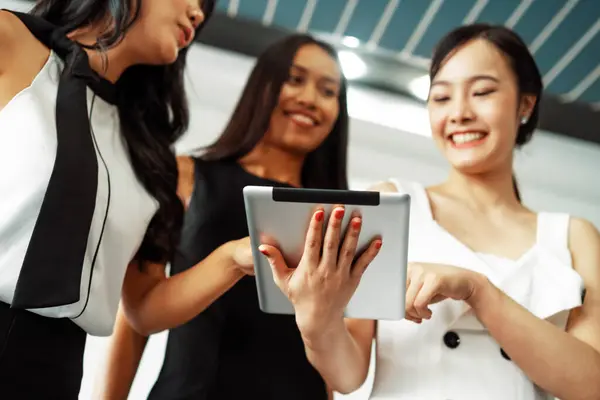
(528, 102)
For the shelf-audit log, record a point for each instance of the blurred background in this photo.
(384, 47)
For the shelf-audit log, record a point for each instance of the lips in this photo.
(185, 37)
(466, 137)
(302, 118)
(189, 34)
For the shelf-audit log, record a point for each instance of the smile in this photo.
(460, 138)
(467, 139)
(302, 119)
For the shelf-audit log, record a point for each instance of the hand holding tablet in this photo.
(328, 273)
(328, 258)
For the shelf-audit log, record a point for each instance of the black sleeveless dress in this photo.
(232, 350)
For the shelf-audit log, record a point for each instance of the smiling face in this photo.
(475, 108)
(308, 104)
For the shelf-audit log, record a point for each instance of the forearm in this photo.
(124, 355)
(556, 361)
(338, 358)
(176, 300)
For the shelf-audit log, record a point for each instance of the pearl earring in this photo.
(524, 120)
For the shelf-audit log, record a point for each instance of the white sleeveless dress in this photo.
(452, 356)
(123, 209)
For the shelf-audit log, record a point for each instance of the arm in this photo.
(153, 304)
(342, 355)
(124, 355)
(565, 364)
(127, 345)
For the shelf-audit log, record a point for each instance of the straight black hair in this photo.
(152, 107)
(525, 69)
(325, 167)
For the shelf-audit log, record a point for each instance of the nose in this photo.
(461, 111)
(308, 96)
(196, 16)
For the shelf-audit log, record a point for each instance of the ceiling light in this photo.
(352, 65)
(350, 41)
(419, 87)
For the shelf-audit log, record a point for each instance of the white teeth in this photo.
(302, 119)
(461, 138)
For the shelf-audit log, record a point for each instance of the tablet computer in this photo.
(284, 214)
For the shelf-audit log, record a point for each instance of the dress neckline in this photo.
(426, 201)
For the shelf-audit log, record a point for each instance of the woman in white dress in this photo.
(91, 101)
(495, 307)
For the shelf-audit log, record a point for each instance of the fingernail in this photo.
(264, 251)
(356, 223)
(339, 213)
(378, 244)
(319, 215)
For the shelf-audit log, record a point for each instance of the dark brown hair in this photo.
(152, 107)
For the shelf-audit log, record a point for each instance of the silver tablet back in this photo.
(284, 213)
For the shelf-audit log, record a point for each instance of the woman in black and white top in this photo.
(91, 101)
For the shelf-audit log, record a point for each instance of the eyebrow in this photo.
(470, 80)
(325, 77)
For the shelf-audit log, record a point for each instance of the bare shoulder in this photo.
(10, 29)
(584, 243)
(9, 25)
(383, 186)
(20, 51)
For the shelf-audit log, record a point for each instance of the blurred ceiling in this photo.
(395, 38)
(562, 34)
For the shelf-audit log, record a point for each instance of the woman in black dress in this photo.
(290, 128)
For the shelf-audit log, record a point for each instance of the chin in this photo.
(163, 55)
(297, 149)
(471, 166)
(169, 56)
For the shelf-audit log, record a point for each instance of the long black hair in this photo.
(152, 107)
(527, 74)
(323, 168)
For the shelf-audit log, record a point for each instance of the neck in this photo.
(274, 164)
(109, 64)
(483, 191)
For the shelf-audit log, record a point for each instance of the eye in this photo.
(484, 92)
(296, 79)
(329, 92)
(439, 98)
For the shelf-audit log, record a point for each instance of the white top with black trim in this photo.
(123, 207)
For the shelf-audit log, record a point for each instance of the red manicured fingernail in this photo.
(378, 244)
(264, 251)
(356, 223)
(339, 213)
(319, 215)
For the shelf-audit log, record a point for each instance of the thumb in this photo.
(281, 272)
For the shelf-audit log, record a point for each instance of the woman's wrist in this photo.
(318, 337)
(484, 291)
(227, 254)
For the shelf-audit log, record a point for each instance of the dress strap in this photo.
(553, 233)
(418, 195)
